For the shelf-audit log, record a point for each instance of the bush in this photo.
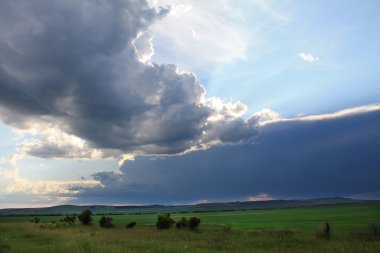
(105, 222)
(324, 232)
(69, 219)
(85, 217)
(35, 220)
(131, 224)
(227, 228)
(374, 229)
(194, 222)
(164, 221)
(182, 223)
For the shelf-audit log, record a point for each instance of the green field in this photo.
(272, 230)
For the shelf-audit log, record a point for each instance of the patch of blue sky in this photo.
(340, 33)
(8, 140)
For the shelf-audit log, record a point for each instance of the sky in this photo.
(181, 102)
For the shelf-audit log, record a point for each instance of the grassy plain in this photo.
(272, 230)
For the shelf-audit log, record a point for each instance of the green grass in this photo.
(273, 230)
(30, 238)
(342, 217)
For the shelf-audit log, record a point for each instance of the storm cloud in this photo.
(329, 155)
(82, 70)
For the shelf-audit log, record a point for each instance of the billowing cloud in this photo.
(79, 74)
(329, 156)
(308, 57)
(16, 190)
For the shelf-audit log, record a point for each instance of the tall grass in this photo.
(30, 238)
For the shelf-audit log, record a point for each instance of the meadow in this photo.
(271, 230)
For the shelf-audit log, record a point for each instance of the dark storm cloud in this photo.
(325, 157)
(73, 64)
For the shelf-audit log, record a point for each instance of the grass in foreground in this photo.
(30, 238)
(274, 230)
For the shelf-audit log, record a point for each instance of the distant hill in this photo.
(202, 207)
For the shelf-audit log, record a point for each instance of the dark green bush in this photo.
(131, 224)
(35, 220)
(106, 222)
(69, 219)
(227, 228)
(324, 232)
(164, 221)
(85, 217)
(182, 223)
(374, 229)
(194, 222)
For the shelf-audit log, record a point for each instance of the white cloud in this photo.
(38, 191)
(264, 115)
(308, 57)
(143, 46)
(338, 114)
(47, 140)
(223, 110)
(260, 197)
(197, 33)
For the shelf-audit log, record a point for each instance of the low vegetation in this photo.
(106, 222)
(324, 232)
(69, 219)
(374, 228)
(85, 217)
(194, 222)
(131, 224)
(182, 223)
(63, 234)
(4, 247)
(35, 220)
(164, 221)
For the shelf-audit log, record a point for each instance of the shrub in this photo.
(194, 222)
(36, 220)
(131, 224)
(69, 219)
(374, 229)
(324, 232)
(85, 217)
(182, 223)
(164, 221)
(227, 228)
(105, 222)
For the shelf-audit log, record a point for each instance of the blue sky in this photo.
(106, 102)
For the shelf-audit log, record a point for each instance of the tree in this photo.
(85, 217)
(164, 221)
(36, 220)
(105, 222)
(182, 223)
(194, 222)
